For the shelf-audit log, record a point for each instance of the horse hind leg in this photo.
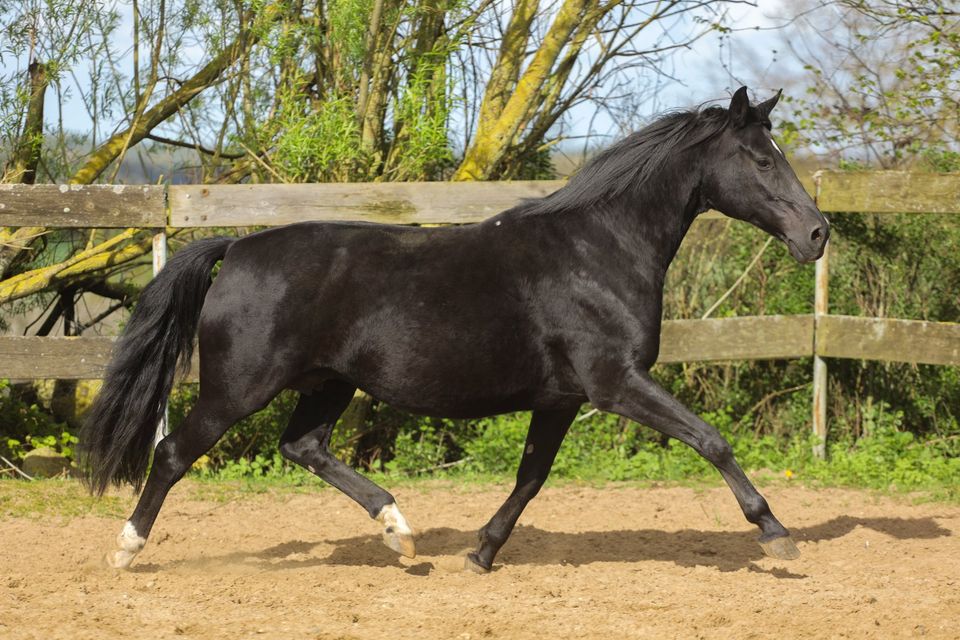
(546, 433)
(201, 429)
(306, 441)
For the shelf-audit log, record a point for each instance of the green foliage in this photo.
(942, 160)
(422, 112)
(349, 19)
(260, 467)
(882, 80)
(319, 144)
(25, 425)
(63, 444)
(603, 447)
(254, 437)
(419, 451)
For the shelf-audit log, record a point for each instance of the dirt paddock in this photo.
(613, 562)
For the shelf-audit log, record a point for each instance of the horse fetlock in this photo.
(491, 537)
(130, 543)
(397, 533)
(474, 564)
(757, 510)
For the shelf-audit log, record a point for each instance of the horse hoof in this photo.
(402, 544)
(120, 559)
(397, 534)
(782, 548)
(130, 543)
(471, 563)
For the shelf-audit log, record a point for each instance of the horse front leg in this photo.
(643, 400)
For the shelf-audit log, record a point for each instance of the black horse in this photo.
(548, 305)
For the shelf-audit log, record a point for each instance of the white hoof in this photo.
(397, 534)
(130, 544)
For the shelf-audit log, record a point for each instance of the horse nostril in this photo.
(817, 234)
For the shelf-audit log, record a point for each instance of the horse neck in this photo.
(651, 223)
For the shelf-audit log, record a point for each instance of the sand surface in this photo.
(612, 562)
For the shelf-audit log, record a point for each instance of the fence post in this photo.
(160, 259)
(819, 366)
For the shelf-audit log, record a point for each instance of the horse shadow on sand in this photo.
(530, 545)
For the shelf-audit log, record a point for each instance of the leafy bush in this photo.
(25, 425)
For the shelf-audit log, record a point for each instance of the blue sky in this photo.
(704, 69)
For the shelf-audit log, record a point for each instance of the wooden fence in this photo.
(818, 334)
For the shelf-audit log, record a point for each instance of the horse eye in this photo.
(765, 163)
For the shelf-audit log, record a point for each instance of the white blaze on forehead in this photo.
(774, 143)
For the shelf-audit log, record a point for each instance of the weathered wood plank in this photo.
(749, 338)
(390, 202)
(889, 192)
(743, 338)
(66, 358)
(108, 206)
(84, 358)
(914, 341)
(402, 203)
(385, 202)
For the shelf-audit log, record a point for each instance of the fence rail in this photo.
(744, 338)
(111, 206)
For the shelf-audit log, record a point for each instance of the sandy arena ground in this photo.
(616, 562)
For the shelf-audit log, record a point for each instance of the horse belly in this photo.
(452, 371)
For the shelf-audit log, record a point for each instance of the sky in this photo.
(713, 67)
(704, 69)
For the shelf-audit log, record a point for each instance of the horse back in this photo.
(438, 320)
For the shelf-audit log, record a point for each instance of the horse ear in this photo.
(739, 107)
(767, 106)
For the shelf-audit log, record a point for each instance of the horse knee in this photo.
(289, 450)
(716, 449)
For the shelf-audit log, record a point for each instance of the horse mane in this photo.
(631, 162)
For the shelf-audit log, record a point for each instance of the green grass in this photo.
(67, 498)
(885, 461)
(57, 497)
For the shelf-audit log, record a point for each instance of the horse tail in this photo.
(117, 436)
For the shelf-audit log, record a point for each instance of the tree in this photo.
(345, 90)
(882, 80)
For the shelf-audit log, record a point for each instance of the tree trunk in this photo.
(495, 136)
(22, 167)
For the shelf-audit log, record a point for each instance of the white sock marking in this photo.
(397, 534)
(391, 518)
(130, 543)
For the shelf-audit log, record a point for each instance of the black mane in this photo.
(628, 164)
